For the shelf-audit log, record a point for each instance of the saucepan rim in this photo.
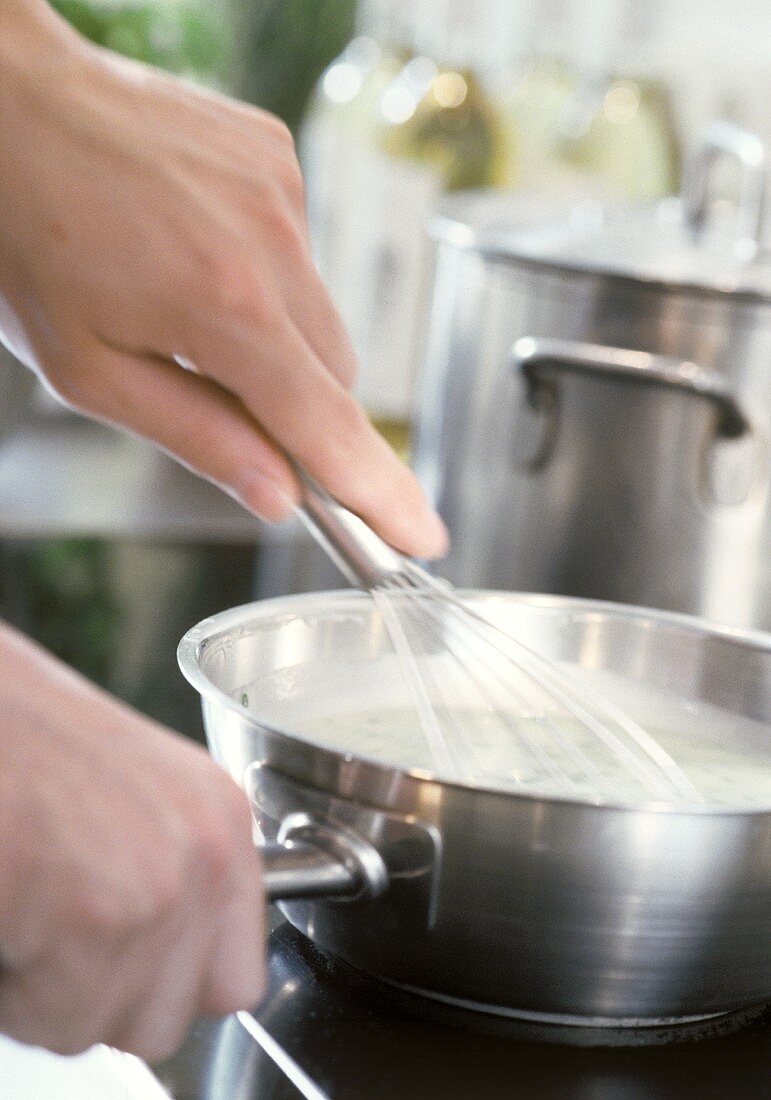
(197, 637)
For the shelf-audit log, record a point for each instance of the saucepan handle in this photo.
(530, 355)
(311, 858)
(724, 141)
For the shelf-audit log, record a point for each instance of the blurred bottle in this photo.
(339, 121)
(441, 115)
(617, 131)
(188, 37)
(434, 130)
(531, 84)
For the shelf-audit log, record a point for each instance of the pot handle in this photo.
(530, 354)
(723, 140)
(312, 858)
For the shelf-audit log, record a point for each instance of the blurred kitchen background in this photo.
(109, 550)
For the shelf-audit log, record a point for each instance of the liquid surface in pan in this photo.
(536, 749)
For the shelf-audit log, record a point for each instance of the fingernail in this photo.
(440, 536)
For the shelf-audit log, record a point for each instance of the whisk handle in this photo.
(360, 555)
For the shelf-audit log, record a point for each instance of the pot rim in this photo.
(500, 247)
(197, 637)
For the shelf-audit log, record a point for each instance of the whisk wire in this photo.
(432, 730)
(425, 596)
(482, 687)
(369, 561)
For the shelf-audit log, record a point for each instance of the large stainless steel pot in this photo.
(513, 903)
(596, 404)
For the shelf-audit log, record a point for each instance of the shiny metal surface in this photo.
(361, 555)
(675, 244)
(724, 140)
(366, 852)
(513, 902)
(311, 858)
(532, 356)
(598, 483)
(342, 1034)
(304, 870)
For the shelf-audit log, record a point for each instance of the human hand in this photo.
(147, 224)
(130, 896)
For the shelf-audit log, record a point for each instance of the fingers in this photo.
(147, 927)
(195, 420)
(235, 972)
(312, 417)
(299, 404)
(316, 317)
(164, 977)
(212, 964)
(210, 960)
(140, 998)
(142, 994)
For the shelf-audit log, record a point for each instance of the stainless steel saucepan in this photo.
(511, 903)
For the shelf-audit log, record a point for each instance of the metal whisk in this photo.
(464, 671)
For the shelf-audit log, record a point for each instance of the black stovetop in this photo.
(342, 1036)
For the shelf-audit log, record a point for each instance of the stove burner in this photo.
(636, 1028)
(326, 1031)
(523, 1026)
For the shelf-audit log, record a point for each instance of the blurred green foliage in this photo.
(60, 592)
(287, 45)
(187, 36)
(282, 46)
